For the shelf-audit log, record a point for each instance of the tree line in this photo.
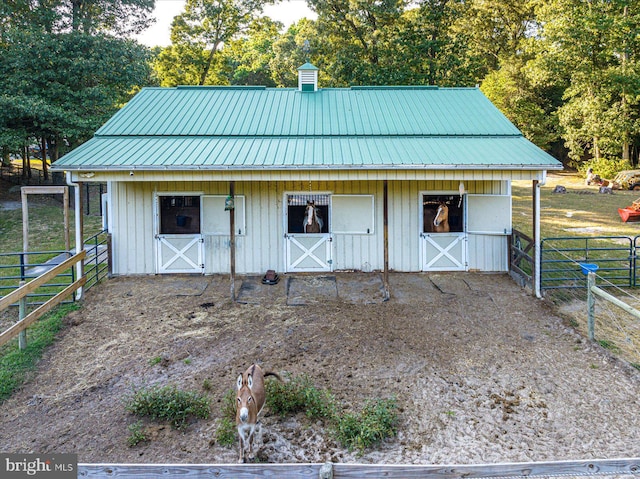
(566, 72)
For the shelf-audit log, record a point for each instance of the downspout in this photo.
(77, 203)
(537, 279)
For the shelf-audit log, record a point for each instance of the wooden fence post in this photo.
(591, 305)
(22, 307)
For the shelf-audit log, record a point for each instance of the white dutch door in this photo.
(443, 241)
(179, 245)
(307, 237)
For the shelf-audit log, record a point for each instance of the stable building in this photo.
(213, 179)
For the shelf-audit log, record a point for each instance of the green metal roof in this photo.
(257, 127)
(308, 66)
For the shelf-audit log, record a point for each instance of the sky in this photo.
(287, 12)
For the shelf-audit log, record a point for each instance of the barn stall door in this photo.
(443, 251)
(306, 252)
(179, 247)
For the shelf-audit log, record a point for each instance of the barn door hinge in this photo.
(201, 240)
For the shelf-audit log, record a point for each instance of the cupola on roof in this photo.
(308, 77)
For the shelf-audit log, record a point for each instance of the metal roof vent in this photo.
(308, 77)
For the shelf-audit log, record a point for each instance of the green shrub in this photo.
(229, 405)
(168, 403)
(605, 167)
(300, 395)
(226, 432)
(378, 420)
(137, 434)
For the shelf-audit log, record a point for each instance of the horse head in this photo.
(441, 221)
(310, 212)
(313, 221)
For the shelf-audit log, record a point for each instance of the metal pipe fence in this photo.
(16, 267)
(561, 259)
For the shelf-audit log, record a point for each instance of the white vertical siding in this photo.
(133, 228)
(487, 253)
(262, 245)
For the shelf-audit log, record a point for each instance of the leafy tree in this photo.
(429, 50)
(202, 30)
(530, 102)
(62, 87)
(247, 59)
(494, 29)
(289, 54)
(114, 17)
(595, 45)
(356, 39)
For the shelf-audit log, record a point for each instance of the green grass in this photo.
(137, 434)
(377, 421)
(168, 403)
(298, 394)
(46, 233)
(582, 211)
(581, 214)
(610, 345)
(17, 366)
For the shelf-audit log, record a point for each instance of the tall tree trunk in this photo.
(5, 158)
(207, 67)
(26, 163)
(43, 149)
(76, 19)
(596, 148)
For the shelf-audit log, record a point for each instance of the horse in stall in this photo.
(312, 219)
(441, 221)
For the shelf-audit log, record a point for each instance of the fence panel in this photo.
(16, 267)
(520, 256)
(601, 467)
(561, 258)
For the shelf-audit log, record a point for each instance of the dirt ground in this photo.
(483, 372)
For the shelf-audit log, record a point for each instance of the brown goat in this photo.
(250, 401)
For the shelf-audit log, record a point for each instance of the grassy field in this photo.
(46, 222)
(582, 211)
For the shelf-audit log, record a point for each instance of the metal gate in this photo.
(308, 252)
(560, 260)
(444, 251)
(180, 254)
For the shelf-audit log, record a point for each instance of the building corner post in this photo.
(79, 230)
(537, 260)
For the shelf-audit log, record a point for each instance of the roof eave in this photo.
(121, 168)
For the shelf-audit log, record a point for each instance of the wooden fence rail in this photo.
(603, 467)
(16, 295)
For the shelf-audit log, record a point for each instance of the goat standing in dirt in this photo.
(250, 401)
